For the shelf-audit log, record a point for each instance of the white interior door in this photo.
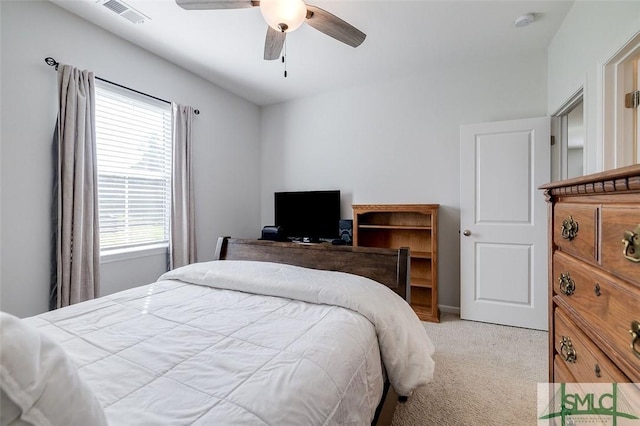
(503, 221)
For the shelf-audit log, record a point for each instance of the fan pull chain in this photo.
(284, 58)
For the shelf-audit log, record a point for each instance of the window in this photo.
(133, 134)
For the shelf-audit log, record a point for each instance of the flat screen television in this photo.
(308, 215)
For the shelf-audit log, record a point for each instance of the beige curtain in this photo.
(77, 233)
(182, 244)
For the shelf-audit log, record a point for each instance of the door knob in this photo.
(466, 233)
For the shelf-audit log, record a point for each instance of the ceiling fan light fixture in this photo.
(283, 15)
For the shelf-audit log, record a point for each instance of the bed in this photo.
(270, 333)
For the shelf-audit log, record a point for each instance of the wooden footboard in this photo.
(387, 266)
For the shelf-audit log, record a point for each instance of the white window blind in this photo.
(133, 135)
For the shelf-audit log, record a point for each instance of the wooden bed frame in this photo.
(387, 266)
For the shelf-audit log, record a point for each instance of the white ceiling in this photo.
(403, 37)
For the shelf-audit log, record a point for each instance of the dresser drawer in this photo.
(561, 373)
(581, 356)
(575, 229)
(616, 220)
(608, 306)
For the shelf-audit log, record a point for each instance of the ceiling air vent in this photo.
(126, 11)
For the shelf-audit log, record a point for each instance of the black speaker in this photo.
(346, 230)
(273, 233)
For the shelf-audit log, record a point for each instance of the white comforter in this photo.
(226, 351)
(405, 347)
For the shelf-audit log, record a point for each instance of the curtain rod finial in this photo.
(51, 62)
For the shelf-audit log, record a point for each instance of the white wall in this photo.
(398, 142)
(592, 32)
(226, 153)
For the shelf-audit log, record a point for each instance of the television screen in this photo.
(308, 215)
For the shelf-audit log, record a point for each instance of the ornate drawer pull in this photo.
(596, 290)
(567, 285)
(632, 245)
(567, 351)
(635, 337)
(569, 228)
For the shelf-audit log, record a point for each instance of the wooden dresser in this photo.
(594, 278)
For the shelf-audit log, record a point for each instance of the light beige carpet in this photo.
(485, 374)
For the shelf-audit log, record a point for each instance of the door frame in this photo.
(559, 132)
(617, 121)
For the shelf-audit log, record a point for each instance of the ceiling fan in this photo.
(284, 16)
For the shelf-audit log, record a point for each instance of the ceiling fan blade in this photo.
(273, 44)
(333, 26)
(215, 4)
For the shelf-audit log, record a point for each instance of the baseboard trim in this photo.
(449, 309)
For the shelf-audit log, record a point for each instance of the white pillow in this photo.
(39, 383)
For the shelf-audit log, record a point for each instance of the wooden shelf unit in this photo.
(405, 225)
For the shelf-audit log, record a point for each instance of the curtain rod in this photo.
(53, 63)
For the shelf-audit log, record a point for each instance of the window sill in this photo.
(118, 255)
